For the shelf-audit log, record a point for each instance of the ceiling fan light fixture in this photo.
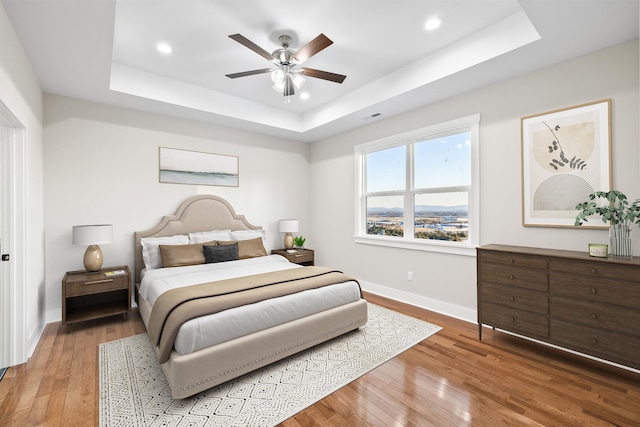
(279, 87)
(277, 76)
(298, 81)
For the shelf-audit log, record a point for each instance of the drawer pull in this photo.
(513, 261)
(95, 282)
(595, 316)
(513, 319)
(511, 276)
(594, 291)
(512, 298)
(593, 271)
(595, 341)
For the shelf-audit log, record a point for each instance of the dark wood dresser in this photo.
(566, 298)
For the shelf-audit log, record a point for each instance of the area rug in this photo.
(135, 392)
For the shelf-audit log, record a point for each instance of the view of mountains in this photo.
(419, 209)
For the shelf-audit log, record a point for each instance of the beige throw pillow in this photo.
(251, 248)
(182, 255)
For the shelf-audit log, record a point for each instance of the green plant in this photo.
(618, 211)
(299, 241)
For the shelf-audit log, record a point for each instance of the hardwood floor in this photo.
(450, 379)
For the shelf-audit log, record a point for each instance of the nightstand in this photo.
(90, 295)
(300, 256)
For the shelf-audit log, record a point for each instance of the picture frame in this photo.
(566, 155)
(197, 168)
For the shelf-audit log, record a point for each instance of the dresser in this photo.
(566, 298)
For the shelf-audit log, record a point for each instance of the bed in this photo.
(266, 308)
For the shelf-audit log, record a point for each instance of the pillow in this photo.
(248, 248)
(151, 251)
(220, 253)
(207, 236)
(181, 255)
(247, 234)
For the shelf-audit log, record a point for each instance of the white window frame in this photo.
(469, 124)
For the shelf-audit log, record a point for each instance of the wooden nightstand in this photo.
(300, 256)
(93, 295)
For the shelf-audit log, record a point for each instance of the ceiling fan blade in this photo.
(313, 47)
(248, 73)
(289, 89)
(254, 47)
(325, 75)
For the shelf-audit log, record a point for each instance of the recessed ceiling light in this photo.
(433, 23)
(164, 48)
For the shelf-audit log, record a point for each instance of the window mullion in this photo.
(409, 216)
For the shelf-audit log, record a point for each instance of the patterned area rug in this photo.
(135, 392)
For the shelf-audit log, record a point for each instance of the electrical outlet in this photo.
(410, 276)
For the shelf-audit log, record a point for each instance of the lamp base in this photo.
(288, 241)
(93, 258)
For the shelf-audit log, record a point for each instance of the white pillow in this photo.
(208, 236)
(248, 234)
(151, 251)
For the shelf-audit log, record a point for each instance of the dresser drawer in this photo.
(518, 298)
(528, 278)
(514, 259)
(99, 284)
(604, 316)
(607, 345)
(598, 289)
(517, 321)
(595, 269)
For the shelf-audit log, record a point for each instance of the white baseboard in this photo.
(451, 310)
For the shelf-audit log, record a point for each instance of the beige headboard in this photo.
(198, 213)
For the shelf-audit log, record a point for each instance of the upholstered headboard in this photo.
(198, 213)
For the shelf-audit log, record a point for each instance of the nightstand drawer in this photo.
(299, 257)
(99, 284)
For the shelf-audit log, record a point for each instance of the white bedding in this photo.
(216, 328)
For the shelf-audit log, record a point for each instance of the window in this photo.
(419, 190)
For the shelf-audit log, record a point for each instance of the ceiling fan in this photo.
(287, 76)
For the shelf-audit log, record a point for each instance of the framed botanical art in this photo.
(566, 155)
(193, 167)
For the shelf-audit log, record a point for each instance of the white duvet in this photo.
(213, 329)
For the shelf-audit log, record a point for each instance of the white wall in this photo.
(21, 94)
(101, 166)
(447, 283)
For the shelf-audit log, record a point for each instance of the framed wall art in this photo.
(193, 167)
(566, 155)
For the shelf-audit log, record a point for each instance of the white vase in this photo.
(620, 241)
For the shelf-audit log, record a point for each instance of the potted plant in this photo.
(299, 242)
(619, 212)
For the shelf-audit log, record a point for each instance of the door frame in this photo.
(13, 209)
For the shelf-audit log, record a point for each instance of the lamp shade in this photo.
(92, 234)
(288, 225)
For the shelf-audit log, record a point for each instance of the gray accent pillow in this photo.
(220, 253)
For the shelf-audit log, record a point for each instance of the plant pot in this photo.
(620, 241)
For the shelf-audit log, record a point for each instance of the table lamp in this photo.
(288, 226)
(92, 235)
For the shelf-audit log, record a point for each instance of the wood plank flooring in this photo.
(450, 379)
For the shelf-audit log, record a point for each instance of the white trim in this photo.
(451, 310)
(14, 306)
(418, 244)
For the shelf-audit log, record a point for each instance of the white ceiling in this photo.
(104, 51)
